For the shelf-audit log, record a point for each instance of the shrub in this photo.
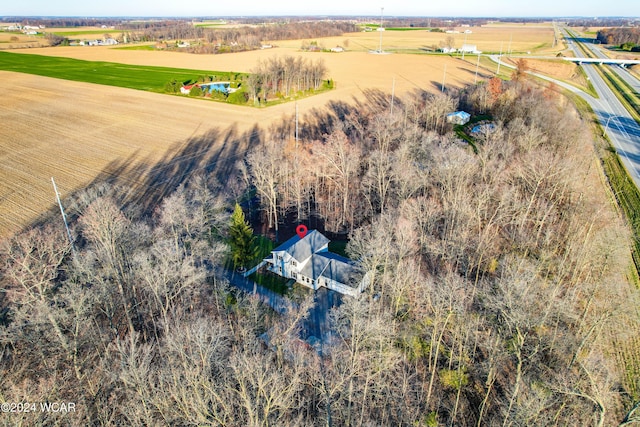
(454, 379)
(239, 97)
(172, 87)
(196, 91)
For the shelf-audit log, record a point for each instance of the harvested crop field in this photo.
(12, 40)
(80, 132)
(85, 33)
(517, 38)
(352, 71)
(559, 69)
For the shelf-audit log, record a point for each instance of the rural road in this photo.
(623, 131)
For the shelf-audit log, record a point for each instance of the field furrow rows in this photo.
(77, 131)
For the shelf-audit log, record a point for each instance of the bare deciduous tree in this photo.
(265, 165)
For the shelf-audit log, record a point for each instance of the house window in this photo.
(279, 257)
(293, 263)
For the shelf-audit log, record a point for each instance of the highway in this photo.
(628, 77)
(620, 71)
(623, 131)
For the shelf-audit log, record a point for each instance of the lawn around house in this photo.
(271, 281)
(263, 278)
(265, 246)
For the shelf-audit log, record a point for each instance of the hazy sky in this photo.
(320, 7)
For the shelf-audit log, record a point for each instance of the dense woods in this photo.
(619, 36)
(499, 293)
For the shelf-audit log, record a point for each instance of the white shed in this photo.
(458, 118)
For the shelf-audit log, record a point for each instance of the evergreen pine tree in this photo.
(242, 241)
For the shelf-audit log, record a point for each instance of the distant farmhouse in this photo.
(470, 48)
(30, 29)
(466, 48)
(105, 42)
(309, 262)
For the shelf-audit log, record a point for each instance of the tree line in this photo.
(283, 77)
(234, 39)
(62, 21)
(619, 36)
(499, 293)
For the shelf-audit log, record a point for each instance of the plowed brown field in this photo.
(79, 132)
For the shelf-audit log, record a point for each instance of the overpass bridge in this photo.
(600, 61)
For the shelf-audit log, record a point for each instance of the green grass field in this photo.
(152, 79)
(85, 32)
(407, 29)
(137, 47)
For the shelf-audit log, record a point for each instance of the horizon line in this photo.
(327, 16)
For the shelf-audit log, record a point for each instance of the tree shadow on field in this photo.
(438, 86)
(377, 99)
(140, 185)
(481, 76)
(319, 122)
(214, 153)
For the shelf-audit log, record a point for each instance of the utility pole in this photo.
(296, 124)
(464, 44)
(499, 60)
(604, 132)
(393, 92)
(444, 77)
(64, 218)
